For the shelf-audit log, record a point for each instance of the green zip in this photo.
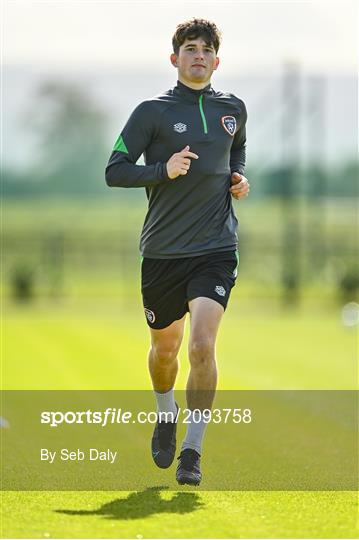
(202, 114)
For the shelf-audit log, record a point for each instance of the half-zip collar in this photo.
(190, 94)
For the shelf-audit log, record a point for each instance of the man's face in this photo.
(196, 61)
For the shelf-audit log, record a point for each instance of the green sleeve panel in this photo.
(136, 136)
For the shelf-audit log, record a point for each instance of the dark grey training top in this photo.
(192, 214)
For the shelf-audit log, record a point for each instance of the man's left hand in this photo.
(240, 186)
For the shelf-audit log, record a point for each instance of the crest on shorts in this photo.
(150, 315)
(229, 123)
(220, 290)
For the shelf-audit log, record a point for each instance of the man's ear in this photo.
(173, 59)
(216, 63)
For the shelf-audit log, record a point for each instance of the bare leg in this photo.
(206, 315)
(163, 366)
(162, 357)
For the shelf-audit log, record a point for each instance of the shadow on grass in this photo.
(142, 504)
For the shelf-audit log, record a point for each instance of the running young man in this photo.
(193, 140)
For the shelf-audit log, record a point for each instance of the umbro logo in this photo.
(220, 290)
(180, 128)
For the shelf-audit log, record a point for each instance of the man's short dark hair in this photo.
(194, 29)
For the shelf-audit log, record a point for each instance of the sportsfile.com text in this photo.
(120, 416)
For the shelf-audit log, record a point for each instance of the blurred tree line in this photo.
(69, 161)
(72, 153)
(69, 130)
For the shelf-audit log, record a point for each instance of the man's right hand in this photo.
(179, 163)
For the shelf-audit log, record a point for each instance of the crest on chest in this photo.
(229, 123)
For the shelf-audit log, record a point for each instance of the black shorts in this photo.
(169, 284)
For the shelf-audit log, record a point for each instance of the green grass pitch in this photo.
(100, 345)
